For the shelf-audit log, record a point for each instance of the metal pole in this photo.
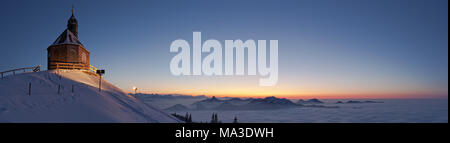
(100, 84)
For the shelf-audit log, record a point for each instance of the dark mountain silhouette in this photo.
(311, 101)
(273, 100)
(267, 103)
(245, 104)
(166, 96)
(357, 102)
(209, 103)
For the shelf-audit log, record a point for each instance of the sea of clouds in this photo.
(391, 111)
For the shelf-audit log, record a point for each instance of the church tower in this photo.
(67, 52)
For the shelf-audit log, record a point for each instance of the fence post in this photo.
(29, 89)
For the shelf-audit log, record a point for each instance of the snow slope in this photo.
(85, 104)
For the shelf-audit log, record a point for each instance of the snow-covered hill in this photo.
(84, 104)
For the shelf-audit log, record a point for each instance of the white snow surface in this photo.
(85, 104)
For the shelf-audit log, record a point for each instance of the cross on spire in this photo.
(73, 9)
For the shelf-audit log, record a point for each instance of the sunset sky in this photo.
(327, 48)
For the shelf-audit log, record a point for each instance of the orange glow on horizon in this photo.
(293, 92)
(417, 95)
(291, 88)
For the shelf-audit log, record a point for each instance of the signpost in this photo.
(100, 73)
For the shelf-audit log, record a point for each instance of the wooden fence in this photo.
(56, 66)
(21, 70)
(71, 66)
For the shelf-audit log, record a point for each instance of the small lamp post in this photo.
(100, 73)
(135, 90)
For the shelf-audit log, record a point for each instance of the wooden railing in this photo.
(92, 69)
(71, 66)
(22, 70)
(56, 66)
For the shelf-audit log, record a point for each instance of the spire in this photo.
(72, 23)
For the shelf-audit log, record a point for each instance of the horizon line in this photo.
(318, 96)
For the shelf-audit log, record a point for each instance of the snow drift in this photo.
(85, 104)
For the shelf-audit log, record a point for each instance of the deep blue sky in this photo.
(390, 47)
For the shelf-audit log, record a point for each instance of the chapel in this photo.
(67, 52)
